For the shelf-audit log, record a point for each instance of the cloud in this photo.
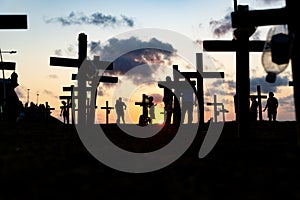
(52, 76)
(230, 85)
(128, 54)
(97, 18)
(222, 26)
(50, 93)
(268, 87)
(58, 52)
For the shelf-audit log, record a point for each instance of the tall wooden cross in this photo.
(200, 75)
(107, 109)
(243, 19)
(177, 85)
(95, 64)
(259, 97)
(242, 47)
(215, 104)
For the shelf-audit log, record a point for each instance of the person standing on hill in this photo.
(64, 111)
(253, 109)
(120, 107)
(272, 105)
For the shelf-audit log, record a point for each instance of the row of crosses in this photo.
(85, 109)
(87, 112)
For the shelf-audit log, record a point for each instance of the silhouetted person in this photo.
(272, 105)
(187, 104)
(64, 111)
(168, 101)
(151, 109)
(120, 107)
(253, 109)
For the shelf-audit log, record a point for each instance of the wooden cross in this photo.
(13, 21)
(200, 75)
(215, 104)
(223, 111)
(242, 47)
(287, 15)
(144, 118)
(8, 66)
(107, 111)
(259, 97)
(96, 64)
(177, 85)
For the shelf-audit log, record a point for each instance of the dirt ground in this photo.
(49, 161)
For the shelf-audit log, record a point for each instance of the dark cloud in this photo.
(58, 52)
(268, 87)
(156, 97)
(50, 93)
(286, 101)
(97, 18)
(222, 26)
(128, 54)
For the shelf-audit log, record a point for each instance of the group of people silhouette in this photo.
(271, 106)
(188, 102)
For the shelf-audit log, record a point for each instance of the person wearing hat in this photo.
(272, 105)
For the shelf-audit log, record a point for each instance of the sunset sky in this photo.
(117, 27)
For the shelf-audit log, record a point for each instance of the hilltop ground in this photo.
(48, 161)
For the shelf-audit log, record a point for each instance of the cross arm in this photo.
(107, 107)
(255, 18)
(65, 97)
(108, 79)
(231, 45)
(65, 62)
(211, 104)
(189, 75)
(13, 21)
(7, 65)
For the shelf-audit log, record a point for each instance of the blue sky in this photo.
(47, 36)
